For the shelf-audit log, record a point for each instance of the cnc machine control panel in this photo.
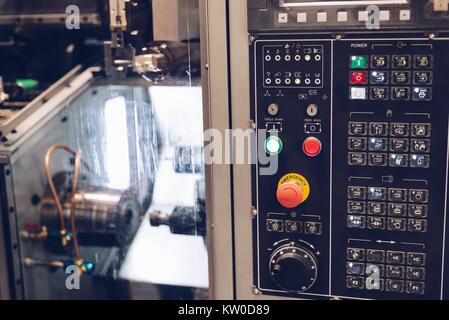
(359, 127)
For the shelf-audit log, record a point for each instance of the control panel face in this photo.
(358, 205)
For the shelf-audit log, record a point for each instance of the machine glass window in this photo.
(101, 153)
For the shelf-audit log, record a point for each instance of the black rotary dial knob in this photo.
(293, 268)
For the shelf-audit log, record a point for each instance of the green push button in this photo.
(273, 145)
(359, 62)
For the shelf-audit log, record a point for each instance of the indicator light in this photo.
(273, 145)
(359, 62)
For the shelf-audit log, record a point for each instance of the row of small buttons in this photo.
(395, 93)
(419, 211)
(412, 259)
(382, 129)
(393, 160)
(342, 16)
(394, 194)
(421, 61)
(312, 228)
(391, 271)
(390, 224)
(397, 77)
(393, 286)
(393, 145)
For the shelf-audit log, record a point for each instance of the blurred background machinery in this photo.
(94, 98)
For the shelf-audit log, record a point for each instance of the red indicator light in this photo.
(312, 147)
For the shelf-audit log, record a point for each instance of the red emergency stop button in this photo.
(290, 195)
(312, 147)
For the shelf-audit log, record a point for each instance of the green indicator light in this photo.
(359, 62)
(27, 84)
(273, 145)
(298, 81)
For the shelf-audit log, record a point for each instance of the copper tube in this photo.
(59, 209)
(47, 169)
(76, 171)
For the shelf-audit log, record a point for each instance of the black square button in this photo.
(416, 259)
(418, 211)
(357, 128)
(400, 129)
(355, 282)
(399, 145)
(423, 61)
(397, 195)
(417, 225)
(421, 130)
(357, 144)
(398, 160)
(419, 196)
(380, 61)
(397, 224)
(356, 193)
(376, 223)
(355, 268)
(401, 61)
(400, 93)
(415, 287)
(356, 222)
(378, 129)
(423, 77)
(357, 158)
(379, 93)
(416, 274)
(394, 286)
(377, 193)
(377, 144)
(293, 226)
(356, 207)
(422, 94)
(419, 161)
(395, 272)
(377, 208)
(375, 256)
(314, 228)
(395, 257)
(397, 209)
(378, 159)
(400, 77)
(420, 145)
(355, 254)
